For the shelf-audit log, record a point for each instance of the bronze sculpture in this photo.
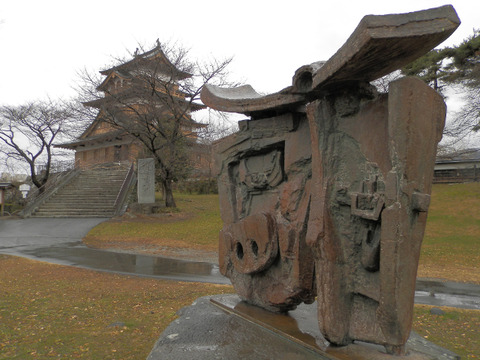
(324, 191)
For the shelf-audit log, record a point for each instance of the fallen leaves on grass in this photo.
(451, 247)
(457, 329)
(57, 311)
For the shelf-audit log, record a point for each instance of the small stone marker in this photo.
(146, 181)
(24, 188)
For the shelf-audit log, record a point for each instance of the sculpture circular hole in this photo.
(239, 250)
(304, 82)
(254, 246)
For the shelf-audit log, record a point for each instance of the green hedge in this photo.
(199, 187)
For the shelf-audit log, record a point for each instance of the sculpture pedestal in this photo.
(224, 327)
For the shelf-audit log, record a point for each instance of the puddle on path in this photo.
(76, 254)
(440, 299)
(152, 266)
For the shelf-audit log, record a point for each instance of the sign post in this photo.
(3, 188)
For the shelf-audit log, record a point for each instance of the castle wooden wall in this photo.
(107, 154)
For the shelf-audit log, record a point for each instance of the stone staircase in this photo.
(90, 194)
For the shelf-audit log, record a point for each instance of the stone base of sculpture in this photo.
(224, 327)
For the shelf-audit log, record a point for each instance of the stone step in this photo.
(96, 188)
(101, 176)
(101, 180)
(91, 194)
(83, 184)
(103, 173)
(81, 197)
(91, 190)
(84, 196)
(67, 213)
(78, 189)
(94, 183)
(78, 202)
(73, 216)
(80, 193)
(98, 178)
(106, 213)
(102, 184)
(77, 206)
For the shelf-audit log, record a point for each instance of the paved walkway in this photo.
(60, 241)
(15, 234)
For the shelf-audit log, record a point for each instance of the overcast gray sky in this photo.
(44, 43)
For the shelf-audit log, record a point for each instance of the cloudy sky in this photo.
(45, 43)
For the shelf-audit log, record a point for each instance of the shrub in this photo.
(199, 187)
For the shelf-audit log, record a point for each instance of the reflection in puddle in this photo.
(439, 299)
(144, 265)
(77, 254)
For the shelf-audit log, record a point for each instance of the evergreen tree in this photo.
(429, 68)
(454, 66)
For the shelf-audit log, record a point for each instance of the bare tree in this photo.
(153, 100)
(465, 122)
(463, 75)
(383, 84)
(27, 134)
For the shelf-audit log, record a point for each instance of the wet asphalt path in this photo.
(59, 241)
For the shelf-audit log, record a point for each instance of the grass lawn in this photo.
(195, 224)
(457, 329)
(451, 246)
(51, 311)
(58, 312)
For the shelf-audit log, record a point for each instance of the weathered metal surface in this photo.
(245, 100)
(379, 45)
(324, 192)
(263, 186)
(382, 44)
(368, 206)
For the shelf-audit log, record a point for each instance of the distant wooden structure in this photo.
(103, 142)
(458, 167)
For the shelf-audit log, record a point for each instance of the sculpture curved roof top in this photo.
(367, 55)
